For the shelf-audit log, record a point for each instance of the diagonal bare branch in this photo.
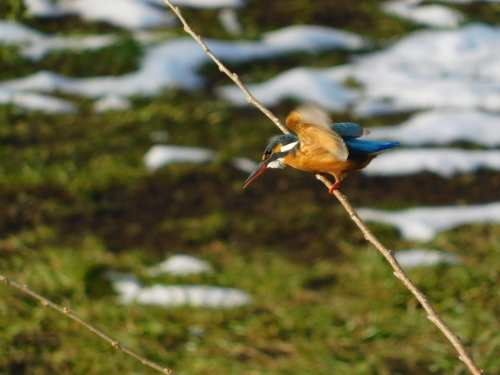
(433, 316)
(234, 77)
(115, 344)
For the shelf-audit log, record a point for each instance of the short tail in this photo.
(370, 147)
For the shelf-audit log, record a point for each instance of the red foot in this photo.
(334, 187)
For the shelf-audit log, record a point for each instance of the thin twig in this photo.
(234, 77)
(433, 316)
(115, 344)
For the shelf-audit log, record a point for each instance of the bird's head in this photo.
(274, 155)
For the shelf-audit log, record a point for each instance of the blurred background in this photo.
(124, 151)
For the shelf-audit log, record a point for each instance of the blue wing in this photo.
(348, 130)
(370, 147)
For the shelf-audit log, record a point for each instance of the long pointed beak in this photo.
(256, 173)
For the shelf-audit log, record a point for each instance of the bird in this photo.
(320, 147)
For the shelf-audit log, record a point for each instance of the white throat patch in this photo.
(278, 163)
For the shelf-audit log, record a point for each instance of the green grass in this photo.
(77, 201)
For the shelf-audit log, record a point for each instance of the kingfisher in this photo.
(320, 147)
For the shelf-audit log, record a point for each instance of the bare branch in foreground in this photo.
(115, 344)
(433, 316)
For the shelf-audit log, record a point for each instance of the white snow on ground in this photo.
(444, 162)
(307, 38)
(424, 223)
(467, 1)
(35, 45)
(39, 49)
(15, 33)
(228, 18)
(111, 103)
(134, 14)
(426, 69)
(206, 3)
(181, 265)
(301, 84)
(175, 63)
(415, 258)
(131, 291)
(428, 15)
(86, 8)
(191, 295)
(443, 127)
(36, 102)
(244, 164)
(128, 14)
(42, 8)
(159, 156)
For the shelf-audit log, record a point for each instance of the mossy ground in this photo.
(77, 200)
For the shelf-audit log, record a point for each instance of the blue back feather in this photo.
(347, 130)
(370, 147)
(350, 131)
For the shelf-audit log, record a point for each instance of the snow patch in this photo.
(428, 15)
(442, 127)
(424, 223)
(301, 84)
(443, 162)
(433, 69)
(160, 155)
(181, 265)
(208, 4)
(415, 258)
(128, 14)
(36, 102)
(35, 45)
(426, 69)
(174, 64)
(111, 103)
(130, 290)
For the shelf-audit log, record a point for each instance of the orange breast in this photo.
(324, 162)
